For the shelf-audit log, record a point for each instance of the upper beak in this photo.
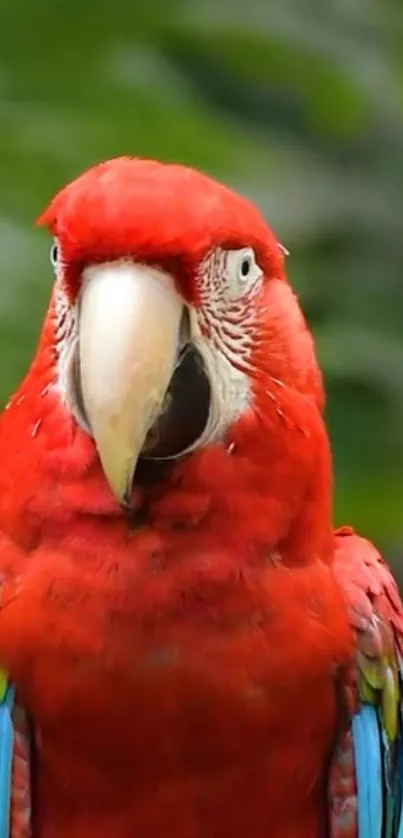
(129, 332)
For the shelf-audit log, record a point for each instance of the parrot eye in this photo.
(245, 266)
(243, 270)
(54, 254)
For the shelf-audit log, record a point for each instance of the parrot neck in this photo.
(266, 487)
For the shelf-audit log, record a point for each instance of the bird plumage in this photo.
(191, 665)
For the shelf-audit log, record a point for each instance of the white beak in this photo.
(129, 325)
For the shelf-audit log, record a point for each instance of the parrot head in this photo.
(175, 369)
(173, 320)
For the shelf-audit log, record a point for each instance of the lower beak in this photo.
(129, 332)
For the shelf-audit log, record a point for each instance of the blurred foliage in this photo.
(296, 103)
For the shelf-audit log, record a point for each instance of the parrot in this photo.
(189, 648)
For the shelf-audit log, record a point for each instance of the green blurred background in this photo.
(296, 103)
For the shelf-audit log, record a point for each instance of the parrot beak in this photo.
(129, 332)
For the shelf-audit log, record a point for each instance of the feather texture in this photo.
(15, 773)
(370, 753)
(6, 754)
(188, 666)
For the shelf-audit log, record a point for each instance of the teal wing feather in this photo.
(6, 754)
(15, 766)
(366, 774)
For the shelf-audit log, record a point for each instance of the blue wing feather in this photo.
(366, 781)
(6, 758)
(368, 771)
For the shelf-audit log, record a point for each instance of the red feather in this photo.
(181, 666)
(180, 672)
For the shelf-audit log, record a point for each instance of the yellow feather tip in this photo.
(3, 685)
(390, 703)
(366, 692)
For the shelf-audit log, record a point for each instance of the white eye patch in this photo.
(242, 271)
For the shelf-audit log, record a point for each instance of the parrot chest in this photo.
(184, 702)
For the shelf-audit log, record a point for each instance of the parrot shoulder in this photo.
(366, 774)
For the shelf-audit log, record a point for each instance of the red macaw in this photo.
(197, 652)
